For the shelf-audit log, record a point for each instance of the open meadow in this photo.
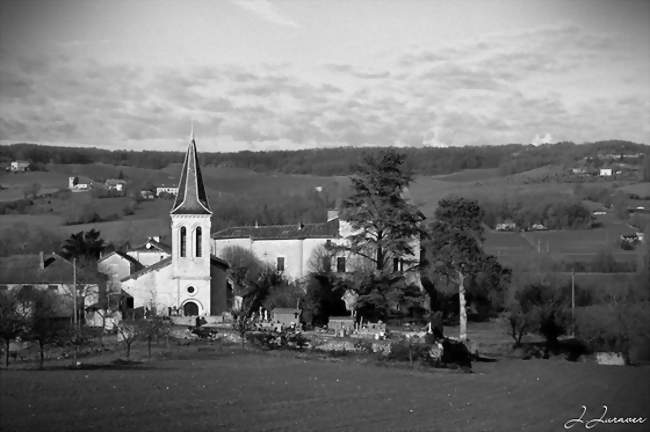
(226, 391)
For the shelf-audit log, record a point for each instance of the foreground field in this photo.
(255, 392)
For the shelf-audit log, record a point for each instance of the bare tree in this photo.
(128, 331)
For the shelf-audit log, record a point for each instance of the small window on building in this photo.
(327, 264)
(340, 264)
(183, 241)
(280, 264)
(395, 264)
(198, 239)
(191, 289)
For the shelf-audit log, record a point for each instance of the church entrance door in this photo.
(190, 309)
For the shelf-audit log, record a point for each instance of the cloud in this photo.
(503, 88)
(265, 10)
(546, 139)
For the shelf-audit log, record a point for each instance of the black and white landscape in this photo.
(256, 215)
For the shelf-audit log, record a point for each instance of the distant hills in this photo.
(508, 159)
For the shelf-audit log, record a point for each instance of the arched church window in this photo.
(183, 241)
(198, 241)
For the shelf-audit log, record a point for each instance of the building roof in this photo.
(281, 232)
(167, 261)
(191, 197)
(160, 264)
(50, 269)
(152, 245)
(136, 264)
(83, 179)
(115, 181)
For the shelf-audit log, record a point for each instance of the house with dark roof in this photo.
(297, 250)
(53, 273)
(290, 249)
(185, 276)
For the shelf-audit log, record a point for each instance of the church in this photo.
(187, 276)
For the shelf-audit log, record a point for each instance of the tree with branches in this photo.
(454, 250)
(384, 223)
(84, 245)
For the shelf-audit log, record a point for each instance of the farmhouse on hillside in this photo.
(19, 166)
(116, 185)
(166, 190)
(80, 183)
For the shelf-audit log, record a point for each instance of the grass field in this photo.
(640, 189)
(222, 391)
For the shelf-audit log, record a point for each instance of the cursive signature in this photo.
(590, 424)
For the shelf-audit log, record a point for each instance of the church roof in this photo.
(167, 261)
(191, 197)
(281, 232)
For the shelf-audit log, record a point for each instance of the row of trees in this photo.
(554, 211)
(510, 158)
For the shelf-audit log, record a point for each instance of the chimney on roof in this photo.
(257, 225)
(41, 261)
(332, 214)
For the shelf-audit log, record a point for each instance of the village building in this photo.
(300, 249)
(19, 166)
(53, 273)
(187, 276)
(146, 194)
(165, 189)
(80, 183)
(605, 172)
(116, 185)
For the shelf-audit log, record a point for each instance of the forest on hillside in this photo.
(509, 159)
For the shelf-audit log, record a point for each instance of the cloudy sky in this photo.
(288, 74)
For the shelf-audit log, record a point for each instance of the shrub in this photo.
(538, 306)
(621, 327)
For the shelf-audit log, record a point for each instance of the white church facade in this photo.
(187, 277)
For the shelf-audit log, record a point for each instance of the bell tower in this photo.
(190, 228)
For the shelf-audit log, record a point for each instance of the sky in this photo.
(288, 74)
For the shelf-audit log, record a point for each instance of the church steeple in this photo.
(191, 197)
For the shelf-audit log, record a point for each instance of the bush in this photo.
(621, 327)
(539, 306)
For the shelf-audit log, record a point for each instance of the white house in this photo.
(116, 185)
(19, 166)
(80, 183)
(297, 250)
(186, 276)
(171, 190)
(605, 172)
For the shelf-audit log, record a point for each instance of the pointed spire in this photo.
(192, 132)
(191, 197)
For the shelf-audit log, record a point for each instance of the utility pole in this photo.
(573, 302)
(74, 293)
